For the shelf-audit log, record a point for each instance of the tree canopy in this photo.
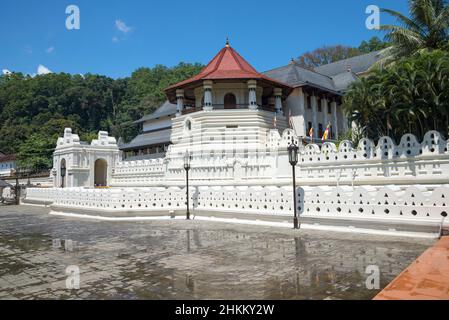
(426, 28)
(330, 54)
(35, 110)
(412, 96)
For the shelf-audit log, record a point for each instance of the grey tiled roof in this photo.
(357, 64)
(148, 139)
(167, 109)
(343, 80)
(295, 76)
(4, 184)
(334, 77)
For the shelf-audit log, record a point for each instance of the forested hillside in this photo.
(35, 110)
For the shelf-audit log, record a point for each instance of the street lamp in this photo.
(63, 172)
(293, 159)
(187, 158)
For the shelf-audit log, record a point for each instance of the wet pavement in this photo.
(188, 260)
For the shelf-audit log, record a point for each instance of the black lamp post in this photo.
(187, 159)
(293, 159)
(63, 173)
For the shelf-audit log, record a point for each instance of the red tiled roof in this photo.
(427, 278)
(227, 64)
(7, 158)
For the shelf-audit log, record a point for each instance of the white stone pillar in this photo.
(278, 100)
(252, 96)
(334, 120)
(302, 113)
(314, 116)
(324, 106)
(207, 85)
(179, 102)
(344, 119)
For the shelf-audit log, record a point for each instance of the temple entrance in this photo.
(101, 173)
(230, 101)
(63, 172)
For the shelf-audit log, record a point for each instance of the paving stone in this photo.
(189, 260)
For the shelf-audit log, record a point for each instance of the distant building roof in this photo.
(4, 184)
(334, 77)
(7, 158)
(297, 76)
(166, 110)
(343, 80)
(148, 139)
(359, 64)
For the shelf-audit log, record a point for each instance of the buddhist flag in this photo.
(326, 133)
(311, 133)
(275, 121)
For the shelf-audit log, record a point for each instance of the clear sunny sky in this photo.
(116, 37)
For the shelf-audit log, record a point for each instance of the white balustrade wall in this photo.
(139, 172)
(46, 195)
(408, 163)
(406, 203)
(388, 181)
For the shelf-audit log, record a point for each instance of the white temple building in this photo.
(309, 98)
(234, 123)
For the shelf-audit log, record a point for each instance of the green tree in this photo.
(374, 44)
(426, 28)
(411, 96)
(39, 108)
(35, 153)
(326, 55)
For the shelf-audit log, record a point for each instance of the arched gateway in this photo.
(101, 173)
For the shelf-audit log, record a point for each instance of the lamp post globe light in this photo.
(293, 159)
(187, 158)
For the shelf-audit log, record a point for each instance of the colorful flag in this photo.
(311, 133)
(326, 133)
(290, 122)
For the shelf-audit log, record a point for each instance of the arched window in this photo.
(230, 101)
(101, 173)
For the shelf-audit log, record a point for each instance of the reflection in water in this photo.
(160, 260)
(188, 240)
(190, 283)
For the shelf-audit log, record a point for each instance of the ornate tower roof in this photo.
(228, 64)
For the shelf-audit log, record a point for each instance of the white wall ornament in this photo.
(243, 174)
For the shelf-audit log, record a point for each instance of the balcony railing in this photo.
(222, 107)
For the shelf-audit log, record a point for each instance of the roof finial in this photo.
(227, 42)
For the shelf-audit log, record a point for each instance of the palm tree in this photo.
(411, 96)
(427, 28)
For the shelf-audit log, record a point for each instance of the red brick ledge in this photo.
(427, 278)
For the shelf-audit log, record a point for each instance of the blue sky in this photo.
(116, 37)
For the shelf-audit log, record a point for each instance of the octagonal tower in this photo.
(227, 107)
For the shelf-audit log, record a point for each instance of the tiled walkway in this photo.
(188, 260)
(426, 279)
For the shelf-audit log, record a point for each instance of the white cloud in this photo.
(122, 27)
(50, 50)
(41, 69)
(115, 39)
(28, 50)
(6, 71)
